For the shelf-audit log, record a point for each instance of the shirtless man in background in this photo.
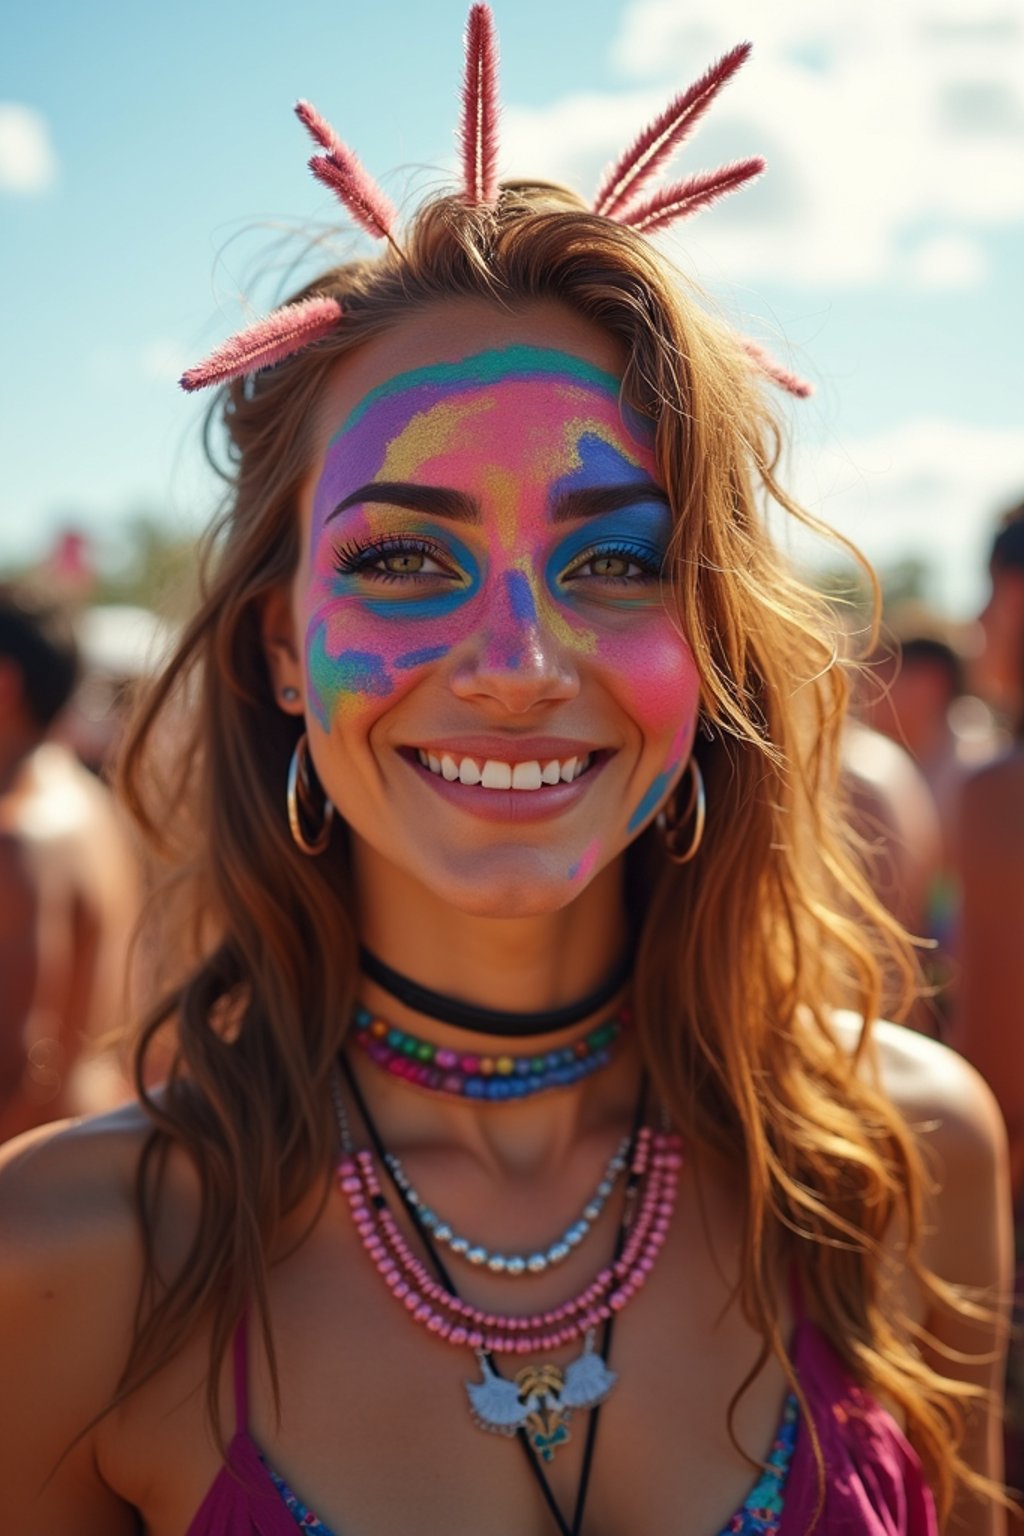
(68, 884)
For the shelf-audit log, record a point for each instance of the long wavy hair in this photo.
(744, 954)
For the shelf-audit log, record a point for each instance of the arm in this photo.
(990, 1020)
(18, 937)
(68, 1279)
(967, 1238)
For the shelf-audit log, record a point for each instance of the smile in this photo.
(492, 773)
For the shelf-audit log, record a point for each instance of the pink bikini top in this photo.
(874, 1482)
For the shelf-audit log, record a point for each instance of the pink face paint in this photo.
(585, 864)
(492, 507)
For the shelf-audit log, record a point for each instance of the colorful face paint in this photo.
(517, 432)
(491, 519)
(662, 782)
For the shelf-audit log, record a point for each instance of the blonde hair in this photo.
(743, 954)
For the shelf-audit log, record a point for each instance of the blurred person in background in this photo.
(990, 1015)
(915, 695)
(120, 645)
(67, 883)
(893, 813)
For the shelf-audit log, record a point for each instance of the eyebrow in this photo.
(456, 506)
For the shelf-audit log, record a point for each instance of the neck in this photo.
(521, 965)
(526, 964)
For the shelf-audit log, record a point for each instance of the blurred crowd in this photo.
(934, 761)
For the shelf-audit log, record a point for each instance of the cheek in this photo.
(359, 664)
(656, 673)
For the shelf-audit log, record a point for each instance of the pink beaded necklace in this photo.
(540, 1398)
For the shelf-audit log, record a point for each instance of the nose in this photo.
(515, 658)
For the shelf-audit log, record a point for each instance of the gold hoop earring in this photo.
(300, 770)
(672, 819)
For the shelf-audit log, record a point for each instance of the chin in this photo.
(504, 883)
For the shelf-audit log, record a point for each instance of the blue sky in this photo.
(153, 194)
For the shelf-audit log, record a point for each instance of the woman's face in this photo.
(496, 699)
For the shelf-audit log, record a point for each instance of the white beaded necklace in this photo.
(513, 1264)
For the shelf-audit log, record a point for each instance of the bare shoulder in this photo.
(956, 1121)
(70, 1271)
(938, 1093)
(66, 1182)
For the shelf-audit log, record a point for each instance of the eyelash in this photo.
(362, 560)
(641, 555)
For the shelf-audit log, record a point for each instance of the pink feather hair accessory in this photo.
(684, 198)
(478, 129)
(620, 197)
(342, 171)
(625, 180)
(764, 363)
(287, 330)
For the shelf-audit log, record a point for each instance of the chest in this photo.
(375, 1432)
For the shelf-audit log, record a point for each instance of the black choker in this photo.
(493, 1021)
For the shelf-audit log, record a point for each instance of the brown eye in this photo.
(611, 565)
(407, 562)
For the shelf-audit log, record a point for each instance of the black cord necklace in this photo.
(493, 1021)
(533, 1460)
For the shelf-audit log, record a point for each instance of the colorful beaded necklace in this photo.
(474, 1075)
(540, 1398)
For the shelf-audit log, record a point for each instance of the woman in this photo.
(518, 891)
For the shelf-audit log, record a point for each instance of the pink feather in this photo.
(790, 382)
(347, 177)
(624, 181)
(319, 128)
(478, 131)
(269, 341)
(684, 198)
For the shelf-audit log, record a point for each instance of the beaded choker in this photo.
(471, 1075)
(493, 1021)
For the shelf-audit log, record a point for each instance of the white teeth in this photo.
(526, 776)
(496, 775)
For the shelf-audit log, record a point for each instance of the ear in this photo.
(277, 633)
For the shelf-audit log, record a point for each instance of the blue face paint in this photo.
(600, 463)
(520, 597)
(652, 799)
(351, 672)
(422, 657)
(458, 589)
(642, 531)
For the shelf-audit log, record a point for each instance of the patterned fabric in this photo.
(762, 1510)
(759, 1515)
(301, 1513)
(872, 1482)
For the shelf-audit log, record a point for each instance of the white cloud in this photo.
(27, 160)
(928, 488)
(883, 124)
(947, 261)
